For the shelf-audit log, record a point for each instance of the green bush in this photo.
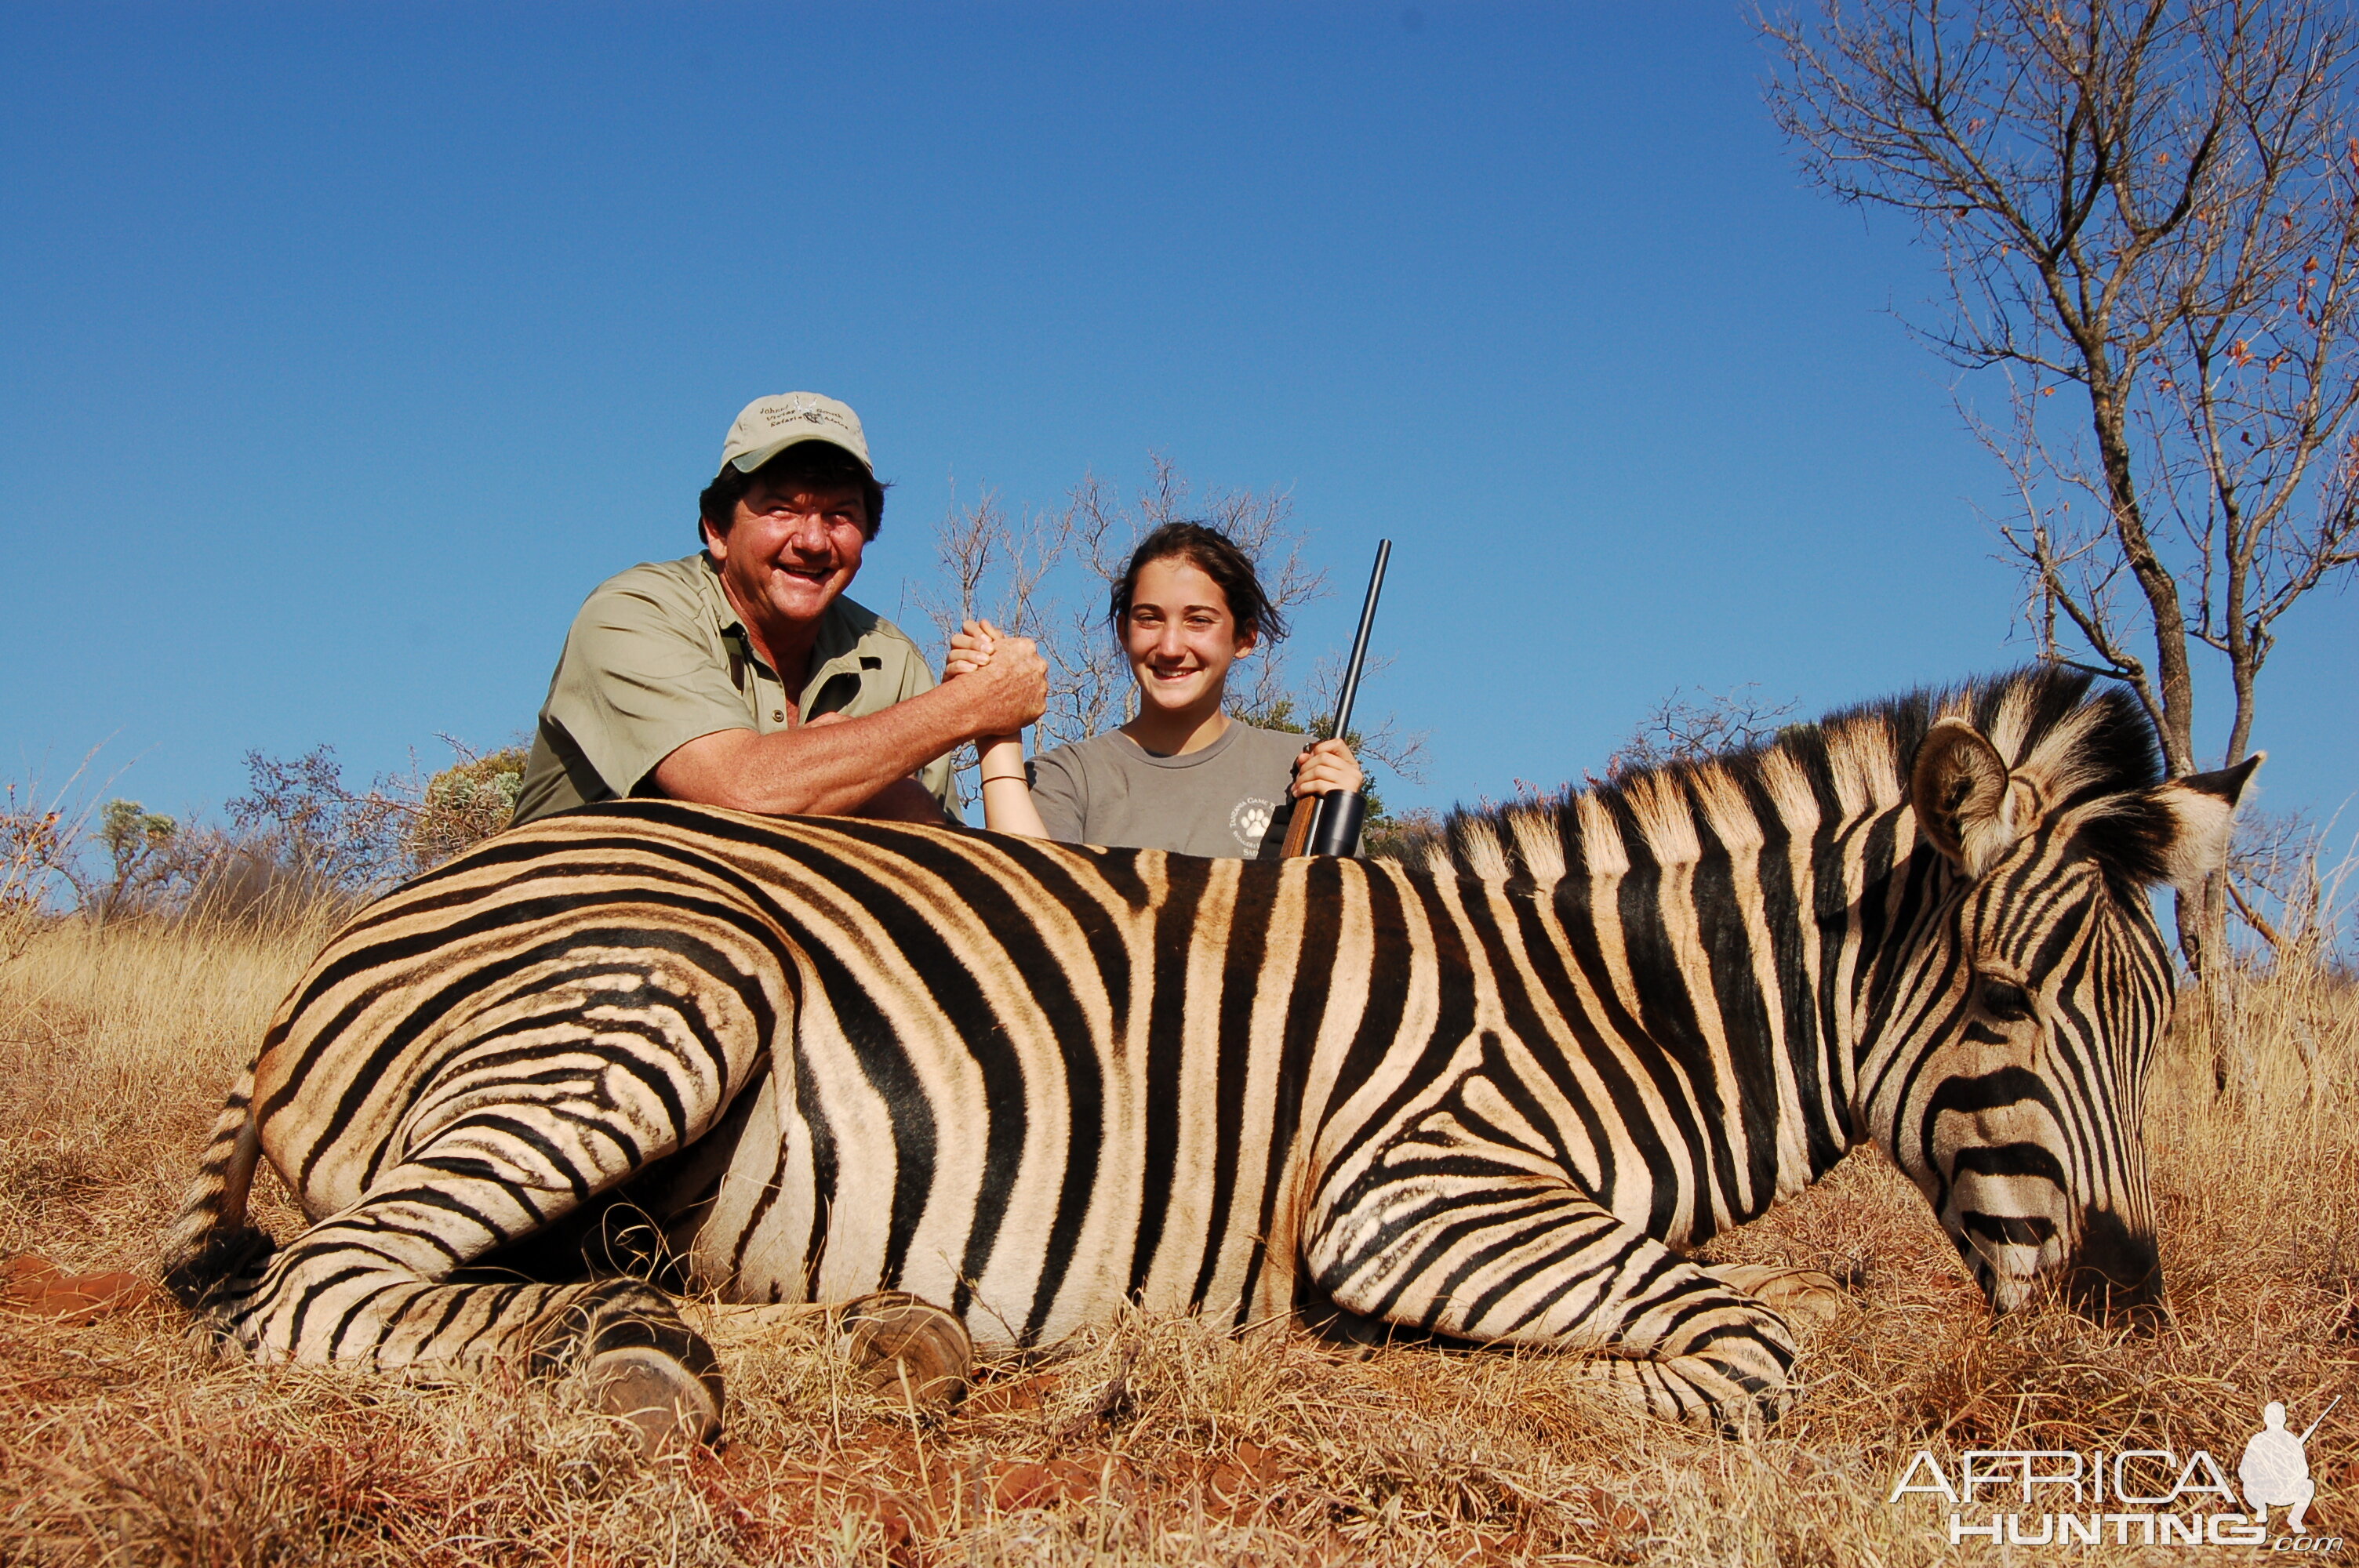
(464, 803)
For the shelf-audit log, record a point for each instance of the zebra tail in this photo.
(210, 1243)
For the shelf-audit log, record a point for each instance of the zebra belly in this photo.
(1024, 1261)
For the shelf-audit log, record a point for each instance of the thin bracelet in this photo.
(1003, 778)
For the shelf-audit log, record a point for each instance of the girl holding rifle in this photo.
(1181, 774)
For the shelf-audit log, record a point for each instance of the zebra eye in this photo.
(2009, 1003)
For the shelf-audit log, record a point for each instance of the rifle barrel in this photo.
(1330, 824)
(1360, 642)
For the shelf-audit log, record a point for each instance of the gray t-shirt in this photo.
(1218, 801)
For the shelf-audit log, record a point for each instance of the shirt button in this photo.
(777, 716)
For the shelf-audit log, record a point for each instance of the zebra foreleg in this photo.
(638, 1359)
(373, 1285)
(1506, 1257)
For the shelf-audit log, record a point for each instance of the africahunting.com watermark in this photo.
(2131, 1497)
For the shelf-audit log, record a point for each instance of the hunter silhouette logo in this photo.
(2276, 1471)
(2133, 1496)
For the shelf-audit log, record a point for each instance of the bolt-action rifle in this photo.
(1330, 824)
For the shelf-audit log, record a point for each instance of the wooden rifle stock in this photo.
(1330, 824)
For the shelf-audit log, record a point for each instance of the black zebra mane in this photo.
(2044, 721)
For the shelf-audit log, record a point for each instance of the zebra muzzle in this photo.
(2114, 1275)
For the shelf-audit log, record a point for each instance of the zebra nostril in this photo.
(2115, 1274)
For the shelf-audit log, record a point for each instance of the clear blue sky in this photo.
(343, 348)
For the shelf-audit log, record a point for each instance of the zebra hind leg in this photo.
(1806, 1297)
(1501, 1256)
(385, 1283)
(899, 1342)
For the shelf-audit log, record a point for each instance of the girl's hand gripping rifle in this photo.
(1330, 824)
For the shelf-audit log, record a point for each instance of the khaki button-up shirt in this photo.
(658, 656)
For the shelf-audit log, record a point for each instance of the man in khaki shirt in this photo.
(743, 677)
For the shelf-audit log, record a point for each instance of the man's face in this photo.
(793, 547)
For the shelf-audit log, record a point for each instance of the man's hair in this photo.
(814, 465)
(1216, 555)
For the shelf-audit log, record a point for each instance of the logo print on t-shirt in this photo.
(1251, 820)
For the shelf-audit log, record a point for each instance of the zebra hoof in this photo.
(1806, 1297)
(666, 1405)
(901, 1345)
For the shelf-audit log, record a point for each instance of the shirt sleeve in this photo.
(1059, 796)
(638, 681)
(939, 777)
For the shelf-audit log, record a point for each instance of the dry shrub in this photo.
(1148, 1441)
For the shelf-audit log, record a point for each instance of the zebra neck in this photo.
(1740, 985)
(1897, 942)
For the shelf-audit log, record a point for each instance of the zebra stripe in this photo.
(1493, 1096)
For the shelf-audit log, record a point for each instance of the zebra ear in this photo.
(1959, 786)
(2202, 809)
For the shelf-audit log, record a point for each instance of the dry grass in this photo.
(1154, 1441)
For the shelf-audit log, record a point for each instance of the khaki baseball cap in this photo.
(770, 425)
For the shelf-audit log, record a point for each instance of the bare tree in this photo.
(2286, 887)
(997, 568)
(41, 840)
(1049, 576)
(1683, 730)
(2153, 206)
(328, 835)
(1095, 682)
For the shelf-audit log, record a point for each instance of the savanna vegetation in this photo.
(140, 956)
(124, 1439)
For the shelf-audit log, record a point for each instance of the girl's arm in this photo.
(1007, 794)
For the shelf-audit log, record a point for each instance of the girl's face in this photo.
(1180, 635)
